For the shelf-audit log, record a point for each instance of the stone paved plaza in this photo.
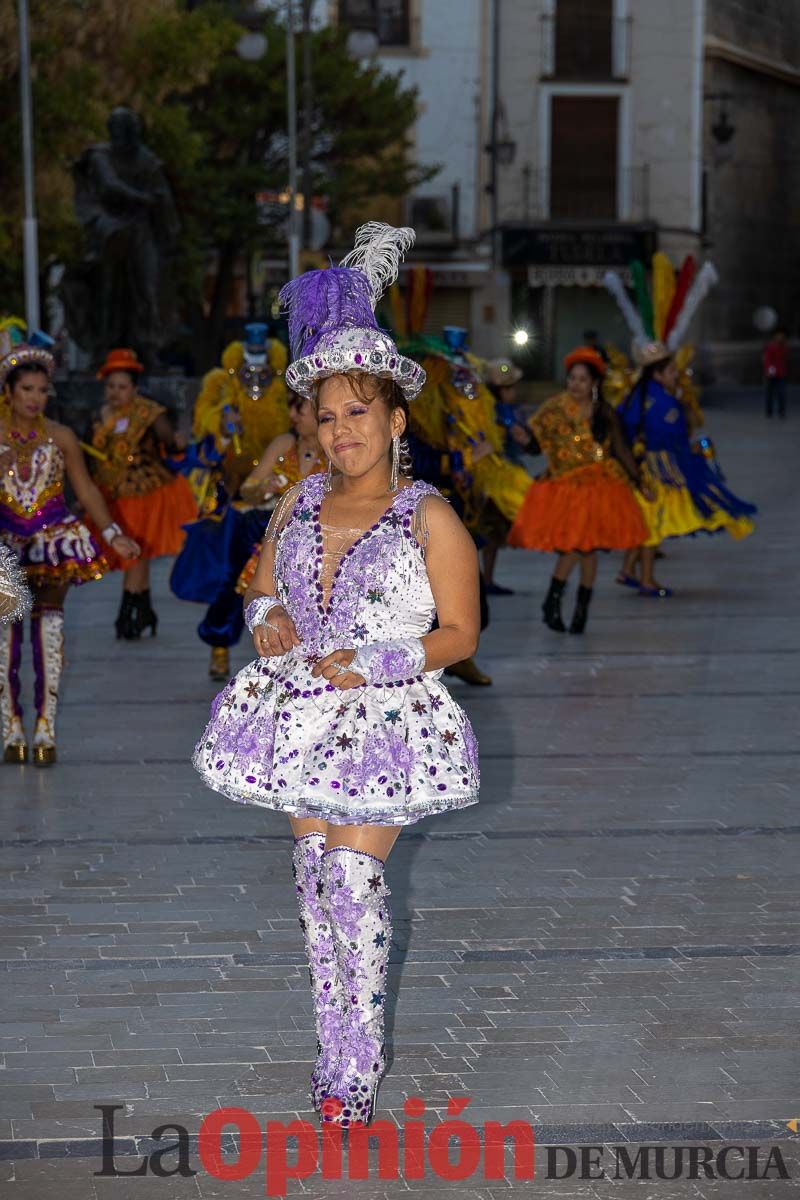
(606, 947)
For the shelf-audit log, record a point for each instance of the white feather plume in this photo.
(705, 279)
(377, 253)
(613, 284)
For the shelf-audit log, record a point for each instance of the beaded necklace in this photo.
(25, 445)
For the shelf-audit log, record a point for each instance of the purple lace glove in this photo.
(389, 662)
(256, 611)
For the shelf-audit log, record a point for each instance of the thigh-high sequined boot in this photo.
(355, 896)
(322, 967)
(15, 747)
(47, 636)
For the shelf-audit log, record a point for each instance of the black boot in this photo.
(145, 616)
(551, 608)
(125, 623)
(581, 610)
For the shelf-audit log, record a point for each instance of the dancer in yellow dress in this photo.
(289, 458)
(457, 416)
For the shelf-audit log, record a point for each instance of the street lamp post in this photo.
(501, 148)
(29, 225)
(251, 47)
(291, 103)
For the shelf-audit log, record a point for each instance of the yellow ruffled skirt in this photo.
(502, 482)
(672, 513)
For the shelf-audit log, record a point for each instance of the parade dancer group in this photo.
(365, 588)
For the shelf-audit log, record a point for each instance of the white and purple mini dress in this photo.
(381, 754)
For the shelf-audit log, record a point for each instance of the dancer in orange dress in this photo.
(584, 502)
(144, 496)
(288, 458)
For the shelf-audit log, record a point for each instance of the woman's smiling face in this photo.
(29, 394)
(354, 433)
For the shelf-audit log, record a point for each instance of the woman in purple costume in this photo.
(342, 721)
(53, 547)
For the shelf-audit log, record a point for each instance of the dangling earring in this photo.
(595, 393)
(329, 477)
(395, 476)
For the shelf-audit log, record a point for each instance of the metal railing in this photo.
(593, 198)
(587, 54)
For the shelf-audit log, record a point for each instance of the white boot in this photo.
(322, 965)
(354, 894)
(47, 635)
(15, 746)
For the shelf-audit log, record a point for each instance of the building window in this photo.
(584, 35)
(389, 19)
(584, 157)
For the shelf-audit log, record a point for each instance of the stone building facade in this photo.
(611, 121)
(752, 180)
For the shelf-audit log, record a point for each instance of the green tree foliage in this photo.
(217, 122)
(87, 56)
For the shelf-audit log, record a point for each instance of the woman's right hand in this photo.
(277, 635)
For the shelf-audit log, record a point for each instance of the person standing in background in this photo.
(776, 371)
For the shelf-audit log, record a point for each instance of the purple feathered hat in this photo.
(332, 326)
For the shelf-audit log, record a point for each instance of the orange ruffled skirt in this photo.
(590, 508)
(154, 520)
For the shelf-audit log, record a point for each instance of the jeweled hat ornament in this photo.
(332, 325)
(501, 372)
(34, 352)
(652, 353)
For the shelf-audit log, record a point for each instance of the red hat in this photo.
(120, 360)
(586, 355)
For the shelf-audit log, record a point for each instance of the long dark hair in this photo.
(599, 420)
(639, 390)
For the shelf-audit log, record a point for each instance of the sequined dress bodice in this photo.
(36, 496)
(348, 587)
(565, 436)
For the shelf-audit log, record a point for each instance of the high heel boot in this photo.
(551, 609)
(15, 746)
(47, 636)
(124, 624)
(322, 966)
(145, 616)
(581, 612)
(355, 895)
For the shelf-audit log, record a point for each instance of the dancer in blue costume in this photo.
(683, 493)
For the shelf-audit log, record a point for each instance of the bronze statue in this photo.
(115, 297)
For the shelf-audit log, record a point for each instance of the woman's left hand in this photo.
(333, 668)
(126, 547)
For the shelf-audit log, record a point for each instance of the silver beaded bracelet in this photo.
(258, 609)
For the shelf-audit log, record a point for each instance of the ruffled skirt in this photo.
(61, 553)
(375, 755)
(690, 500)
(502, 482)
(590, 508)
(154, 520)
